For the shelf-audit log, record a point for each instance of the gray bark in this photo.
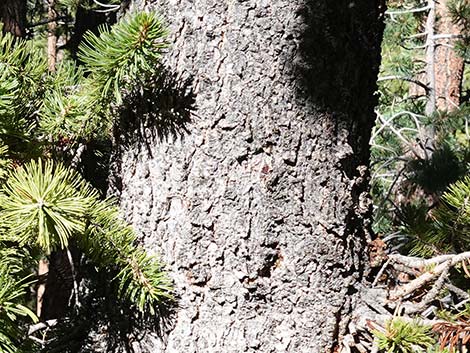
(261, 209)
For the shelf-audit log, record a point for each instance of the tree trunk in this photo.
(448, 64)
(430, 58)
(13, 16)
(51, 36)
(261, 211)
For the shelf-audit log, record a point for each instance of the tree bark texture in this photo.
(448, 64)
(13, 16)
(261, 210)
(51, 36)
(430, 58)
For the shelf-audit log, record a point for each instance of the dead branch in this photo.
(420, 281)
(430, 296)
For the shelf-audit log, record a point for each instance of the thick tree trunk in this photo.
(13, 16)
(261, 210)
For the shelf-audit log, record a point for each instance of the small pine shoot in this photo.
(109, 241)
(44, 204)
(13, 288)
(452, 218)
(128, 52)
(400, 336)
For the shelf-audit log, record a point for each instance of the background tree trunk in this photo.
(13, 16)
(261, 210)
(448, 64)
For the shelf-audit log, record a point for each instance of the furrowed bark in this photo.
(261, 211)
(449, 65)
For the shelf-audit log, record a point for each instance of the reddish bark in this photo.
(448, 64)
(13, 16)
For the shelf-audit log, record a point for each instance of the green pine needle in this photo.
(44, 204)
(128, 52)
(12, 308)
(452, 218)
(109, 241)
(400, 336)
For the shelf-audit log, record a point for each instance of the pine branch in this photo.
(406, 11)
(125, 54)
(109, 241)
(25, 66)
(44, 204)
(428, 276)
(404, 78)
(12, 308)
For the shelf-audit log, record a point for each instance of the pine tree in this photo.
(416, 155)
(421, 150)
(45, 205)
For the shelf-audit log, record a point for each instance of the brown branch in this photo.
(51, 36)
(49, 20)
(459, 292)
(404, 78)
(428, 276)
(417, 262)
(431, 295)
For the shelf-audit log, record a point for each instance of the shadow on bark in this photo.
(338, 57)
(337, 65)
(104, 322)
(155, 111)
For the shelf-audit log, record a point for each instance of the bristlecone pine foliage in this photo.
(44, 203)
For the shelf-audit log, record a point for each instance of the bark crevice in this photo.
(266, 231)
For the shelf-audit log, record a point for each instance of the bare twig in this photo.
(460, 292)
(431, 295)
(465, 269)
(49, 20)
(400, 136)
(448, 36)
(417, 262)
(74, 278)
(412, 115)
(386, 163)
(108, 7)
(404, 78)
(379, 274)
(390, 189)
(401, 12)
(428, 276)
(42, 325)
